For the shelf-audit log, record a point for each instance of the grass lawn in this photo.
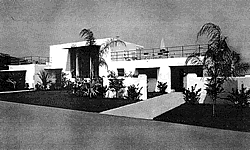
(227, 116)
(153, 94)
(62, 99)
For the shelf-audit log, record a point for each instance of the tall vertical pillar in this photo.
(77, 64)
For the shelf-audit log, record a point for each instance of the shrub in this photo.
(162, 87)
(192, 97)
(240, 98)
(117, 84)
(101, 90)
(134, 92)
(45, 79)
(112, 74)
(39, 87)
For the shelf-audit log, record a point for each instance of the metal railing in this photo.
(29, 60)
(157, 53)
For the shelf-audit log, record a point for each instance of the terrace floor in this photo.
(24, 126)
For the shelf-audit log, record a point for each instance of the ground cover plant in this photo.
(227, 117)
(61, 99)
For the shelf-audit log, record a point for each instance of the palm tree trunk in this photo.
(214, 101)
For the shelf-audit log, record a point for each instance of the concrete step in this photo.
(149, 108)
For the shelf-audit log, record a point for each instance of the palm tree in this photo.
(219, 61)
(88, 35)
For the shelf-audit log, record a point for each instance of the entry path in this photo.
(150, 108)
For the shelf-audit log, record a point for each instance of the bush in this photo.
(45, 79)
(162, 87)
(239, 98)
(39, 87)
(192, 97)
(134, 92)
(116, 84)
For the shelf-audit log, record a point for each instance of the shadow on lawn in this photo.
(227, 117)
(61, 99)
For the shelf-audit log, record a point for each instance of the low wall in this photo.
(141, 80)
(235, 83)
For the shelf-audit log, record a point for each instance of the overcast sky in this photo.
(28, 27)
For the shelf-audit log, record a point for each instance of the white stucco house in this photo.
(60, 54)
(159, 64)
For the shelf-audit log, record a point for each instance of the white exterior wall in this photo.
(31, 71)
(164, 73)
(235, 83)
(141, 81)
(59, 56)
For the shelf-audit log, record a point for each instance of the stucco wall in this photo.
(164, 73)
(141, 81)
(235, 83)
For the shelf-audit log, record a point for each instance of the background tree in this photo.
(219, 61)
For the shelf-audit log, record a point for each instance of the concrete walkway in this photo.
(42, 128)
(150, 108)
(19, 91)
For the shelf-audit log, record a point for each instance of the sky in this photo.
(29, 27)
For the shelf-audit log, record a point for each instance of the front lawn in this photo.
(227, 117)
(61, 99)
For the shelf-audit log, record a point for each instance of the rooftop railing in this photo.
(157, 53)
(29, 60)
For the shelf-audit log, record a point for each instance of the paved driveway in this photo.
(35, 127)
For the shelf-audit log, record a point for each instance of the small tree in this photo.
(219, 62)
(192, 97)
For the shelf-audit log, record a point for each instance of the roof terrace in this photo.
(29, 60)
(158, 53)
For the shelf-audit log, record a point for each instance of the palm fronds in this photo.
(212, 31)
(88, 35)
(110, 43)
(102, 62)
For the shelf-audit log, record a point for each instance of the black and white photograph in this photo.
(124, 74)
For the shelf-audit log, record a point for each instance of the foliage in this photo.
(134, 92)
(192, 97)
(45, 79)
(111, 74)
(214, 87)
(131, 74)
(219, 61)
(88, 35)
(91, 88)
(240, 98)
(116, 84)
(162, 87)
(101, 90)
(39, 87)
(26, 86)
